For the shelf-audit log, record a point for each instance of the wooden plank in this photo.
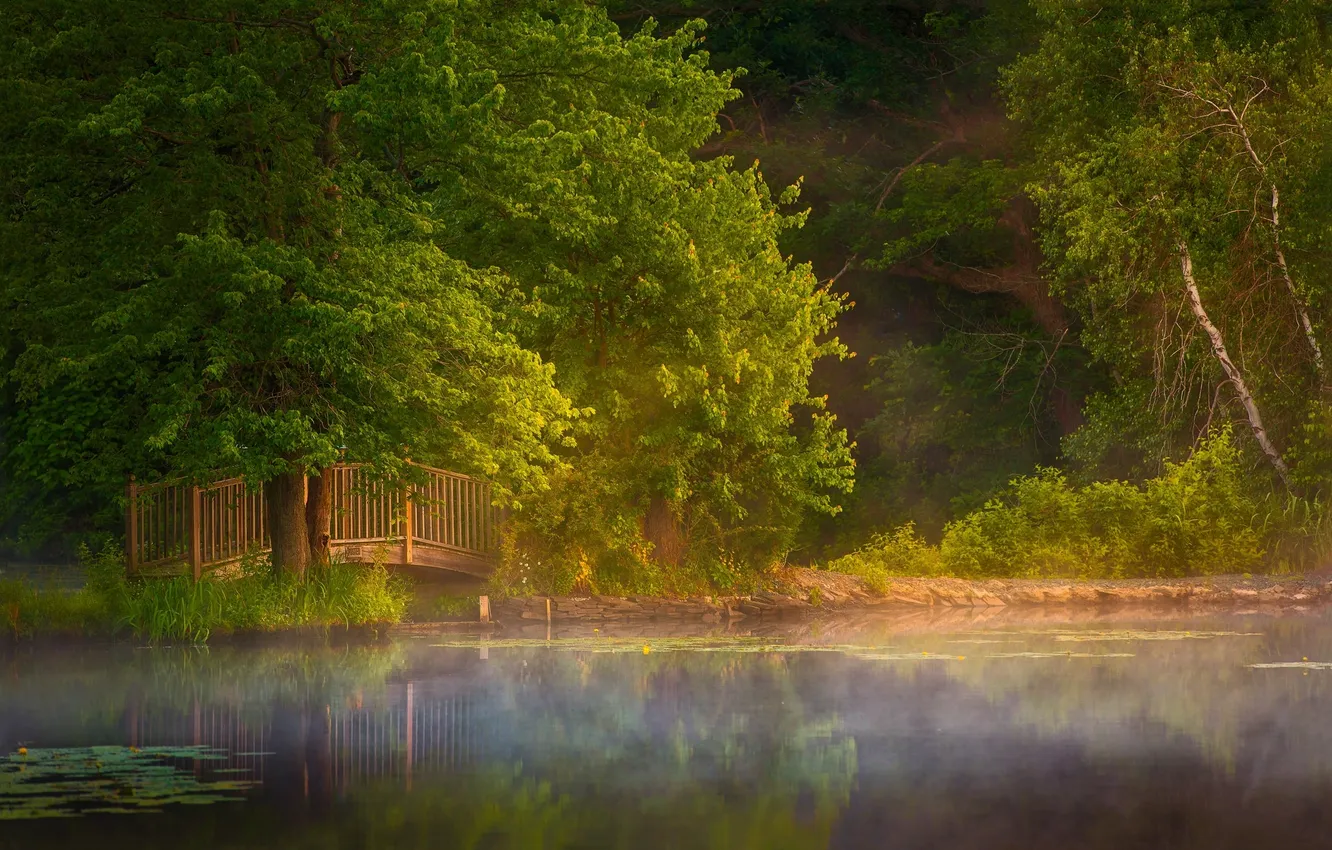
(407, 530)
(439, 471)
(131, 526)
(243, 522)
(452, 538)
(452, 559)
(196, 537)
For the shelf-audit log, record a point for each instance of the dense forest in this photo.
(981, 288)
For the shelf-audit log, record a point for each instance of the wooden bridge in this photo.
(446, 522)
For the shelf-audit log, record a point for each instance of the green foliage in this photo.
(900, 553)
(232, 278)
(953, 209)
(26, 610)
(956, 420)
(1156, 125)
(1202, 516)
(549, 567)
(248, 240)
(340, 594)
(181, 609)
(448, 607)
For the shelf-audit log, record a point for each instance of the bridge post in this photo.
(131, 526)
(196, 536)
(407, 529)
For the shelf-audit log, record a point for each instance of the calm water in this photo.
(884, 734)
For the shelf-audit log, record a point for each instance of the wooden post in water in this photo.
(196, 536)
(485, 609)
(131, 526)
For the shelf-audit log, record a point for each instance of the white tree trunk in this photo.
(1301, 307)
(1228, 366)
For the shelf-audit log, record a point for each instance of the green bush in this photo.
(565, 560)
(449, 607)
(899, 553)
(25, 610)
(1199, 517)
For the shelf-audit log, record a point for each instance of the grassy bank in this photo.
(1202, 516)
(180, 609)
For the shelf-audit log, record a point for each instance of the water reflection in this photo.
(1120, 734)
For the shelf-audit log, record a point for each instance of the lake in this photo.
(1106, 731)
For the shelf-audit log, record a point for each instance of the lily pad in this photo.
(1061, 655)
(1141, 634)
(69, 782)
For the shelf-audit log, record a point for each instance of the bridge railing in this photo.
(444, 520)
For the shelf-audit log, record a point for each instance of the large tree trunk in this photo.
(1228, 366)
(662, 529)
(318, 515)
(285, 495)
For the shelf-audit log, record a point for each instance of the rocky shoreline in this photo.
(800, 591)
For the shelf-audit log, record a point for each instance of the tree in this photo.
(261, 236)
(890, 113)
(1179, 176)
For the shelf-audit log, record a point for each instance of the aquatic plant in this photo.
(68, 782)
(181, 609)
(257, 600)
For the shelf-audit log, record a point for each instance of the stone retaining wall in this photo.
(806, 591)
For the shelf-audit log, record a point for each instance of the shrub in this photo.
(1199, 517)
(449, 607)
(899, 553)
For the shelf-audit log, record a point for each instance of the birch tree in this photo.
(1181, 210)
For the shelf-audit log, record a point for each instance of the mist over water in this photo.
(1115, 732)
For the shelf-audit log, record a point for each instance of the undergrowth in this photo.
(1202, 516)
(182, 609)
(533, 564)
(449, 607)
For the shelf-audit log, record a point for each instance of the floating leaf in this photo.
(68, 782)
(1061, 655)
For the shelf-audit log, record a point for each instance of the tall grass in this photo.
(180, 609)
(1203, 516)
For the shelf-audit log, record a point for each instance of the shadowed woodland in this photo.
(967, 288)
